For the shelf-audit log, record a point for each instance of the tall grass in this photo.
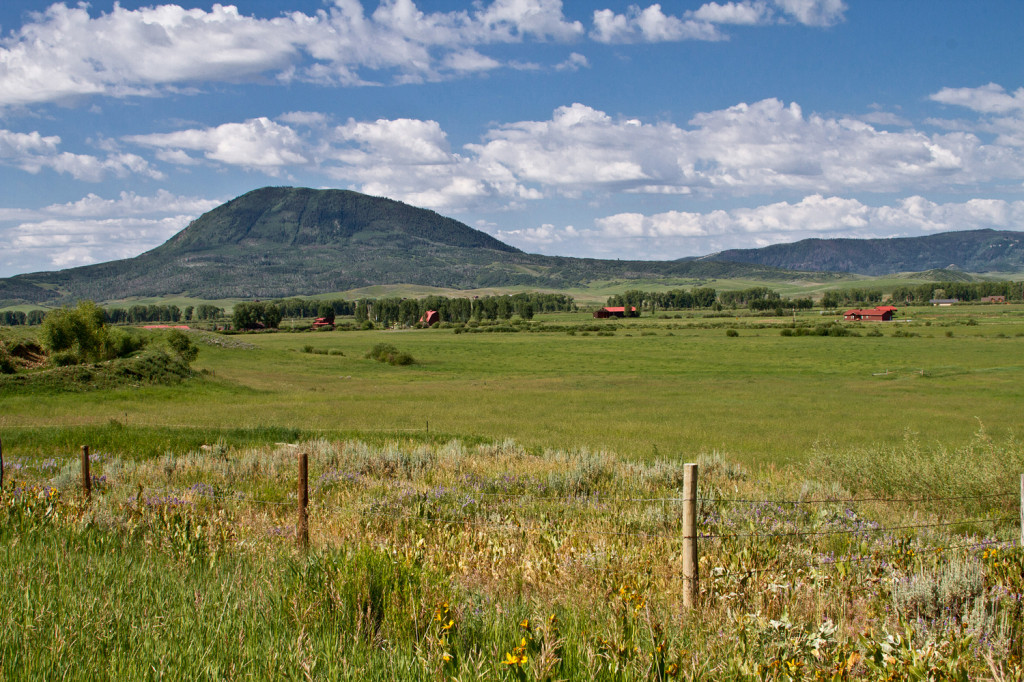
(489, 561)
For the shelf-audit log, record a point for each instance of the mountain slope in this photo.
(973, 250)
(300, 217)
(284, 241)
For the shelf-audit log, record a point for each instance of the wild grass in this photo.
(492, 561)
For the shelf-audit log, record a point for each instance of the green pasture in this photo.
(653, 387)
(509, 506)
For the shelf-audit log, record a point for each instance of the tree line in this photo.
(15, 318)
(962, 291)
(674, 299)
(919, 294)
(755, 298)
(409, 311)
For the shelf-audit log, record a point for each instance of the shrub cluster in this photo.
(80, 334)
(385, 352)
(321, 351)
(831, 329)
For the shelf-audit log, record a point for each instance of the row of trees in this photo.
(14, 318)
(409, 311)
(755, 298)
(920, 294)
(312, 307)
(962, 291)
(674, 299)
(132, 315)
(763, 298)
(255, 315)
(851, 297)
(163, 313)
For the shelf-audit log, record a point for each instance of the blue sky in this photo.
(605, 129)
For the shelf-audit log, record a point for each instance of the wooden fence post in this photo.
(691, 579)
(86, 480)
(302, 527)
(1022, 510)
(1, 466)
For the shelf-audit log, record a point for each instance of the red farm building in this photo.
(321, 322)
(614, 311)
(882, 313)
(430, 318)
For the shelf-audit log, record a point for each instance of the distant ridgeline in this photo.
(966, 250)
(276, 242)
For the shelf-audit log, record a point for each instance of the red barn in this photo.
(880, 314)
(430, 318)
(614, 311)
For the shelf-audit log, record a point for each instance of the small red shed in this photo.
(614, 311)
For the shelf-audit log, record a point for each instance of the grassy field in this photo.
(654, 387)
(507, 507)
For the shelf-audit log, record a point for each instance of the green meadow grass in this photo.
(653, 387)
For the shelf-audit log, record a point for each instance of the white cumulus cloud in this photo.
(258, 143)
(34, 152)
(763, 147)
(64, 53)
(652, 24)
(679, 233)
(987, 99)
(93, 229)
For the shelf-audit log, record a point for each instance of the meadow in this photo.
(652, 387)
(508, 506)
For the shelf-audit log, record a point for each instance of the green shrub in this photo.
(731, 333)
(7, 365)
(385, 352)
(64, 358)
(182, 345)
(80, 334)
(116, 343)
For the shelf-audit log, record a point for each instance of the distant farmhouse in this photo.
(614, 311)
(882, 313)
(321, 322)
(993, 299)
(944, 302)
(430, 318)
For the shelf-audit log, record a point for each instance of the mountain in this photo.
(284, 241)
(973, 251)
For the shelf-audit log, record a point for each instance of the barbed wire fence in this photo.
(690, 536)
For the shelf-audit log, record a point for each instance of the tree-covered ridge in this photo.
(299, 217)
(971, 250)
